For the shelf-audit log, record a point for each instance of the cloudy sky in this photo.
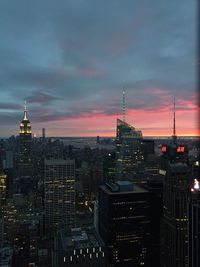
(70, 59)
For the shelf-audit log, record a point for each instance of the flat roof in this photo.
(58, 161)
(127, 188)
(179, 167)
(78, 238)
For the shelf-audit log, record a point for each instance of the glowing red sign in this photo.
(164, 149)
(180, 149)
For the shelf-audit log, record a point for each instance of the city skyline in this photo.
(71, 60)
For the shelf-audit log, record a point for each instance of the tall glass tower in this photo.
(129, 153)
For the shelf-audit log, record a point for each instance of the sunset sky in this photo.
(70, 59)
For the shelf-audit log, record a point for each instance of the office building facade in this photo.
(126, 224)
(194, 224)
(129, 152)
(177, 176)
(59, 190)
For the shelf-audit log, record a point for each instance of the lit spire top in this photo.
(25, 125)
(124, 106)
(25, 112)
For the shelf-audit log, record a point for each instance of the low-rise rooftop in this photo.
(78, 238)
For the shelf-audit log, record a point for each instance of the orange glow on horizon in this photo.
(150, 123)
(113, 135)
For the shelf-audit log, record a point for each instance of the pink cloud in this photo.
(152, 123)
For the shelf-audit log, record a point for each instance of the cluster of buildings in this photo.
(128, 206)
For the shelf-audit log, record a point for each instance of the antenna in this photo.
(25, 107)
(124, 106)
(174, 128)
(174, 122)
(25, 111)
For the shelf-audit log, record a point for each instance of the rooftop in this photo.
(179, 167)
(122, 187)
(58, 161)
(78, 238)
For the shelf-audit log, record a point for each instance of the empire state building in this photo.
(25, 143)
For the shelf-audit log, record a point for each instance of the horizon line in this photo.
(104, 136)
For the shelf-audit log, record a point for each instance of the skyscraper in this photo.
(127, 225)
(1, 228)
(25, 143)
(59, 189)
(177, 177)
(194, 224)
(43, 134)
(129, 154)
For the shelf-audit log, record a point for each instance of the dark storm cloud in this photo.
(41, 98)
(62, 116)
(43, 77)
(11, 106)
(78, 55)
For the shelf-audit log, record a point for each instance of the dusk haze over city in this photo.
(99, 133)
(70, 60)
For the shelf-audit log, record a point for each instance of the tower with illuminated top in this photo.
(177, 177)
(25, 143)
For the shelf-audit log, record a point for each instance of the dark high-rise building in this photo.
(155, 187)
(194, 225)
(148, 148)
(1, 229)
(129, 154)
(25, 143)
(177, 176)
(127, 224)
(8, 162)
(3, 187)
(177, 179)
(59, 190)
(43, 134)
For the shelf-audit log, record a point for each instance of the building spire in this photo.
(174, 123)
(25, 107)
(25, 111)
(124, 106)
